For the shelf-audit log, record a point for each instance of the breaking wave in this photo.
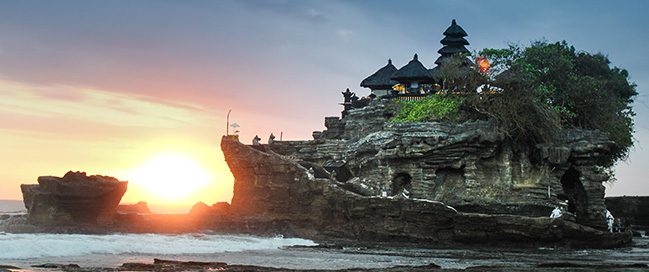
(27, 246)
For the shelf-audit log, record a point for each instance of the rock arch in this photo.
(575, 194)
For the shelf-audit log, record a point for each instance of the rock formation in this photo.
(201, 209)
(470, 166)
(140, 207)
(436, 182)
(74, 198)
(272, 191)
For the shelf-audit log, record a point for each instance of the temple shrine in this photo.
(414, 80)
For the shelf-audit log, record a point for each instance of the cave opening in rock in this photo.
(401, 182)
(575, 193)
(448, 181)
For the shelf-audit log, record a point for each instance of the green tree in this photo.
(581, 88)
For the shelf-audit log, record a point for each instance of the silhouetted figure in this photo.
(271, 138)
(347, 103)
(255, 141)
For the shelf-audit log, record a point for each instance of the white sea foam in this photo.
(26, 246)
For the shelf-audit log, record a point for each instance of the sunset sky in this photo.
(109, 87)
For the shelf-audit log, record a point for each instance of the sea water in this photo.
(112, 250)
(12, 206)
(25, 250)
(28, 246)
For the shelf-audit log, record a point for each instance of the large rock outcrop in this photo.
(74, 198)
(269, 188)
(471, 166)
(275, 191)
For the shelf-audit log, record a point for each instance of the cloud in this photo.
(96, 106)
(311, 11)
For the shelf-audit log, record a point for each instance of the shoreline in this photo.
(165, 224)
(310, 258)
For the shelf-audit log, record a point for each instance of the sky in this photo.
(109, 87)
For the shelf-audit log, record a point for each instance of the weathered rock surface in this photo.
(74, 198)
(269, 188)
(482, 229)
(471, 166)
(631, 210)
(273, 191)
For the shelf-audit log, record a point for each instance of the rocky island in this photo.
(378, 174)
(430, 182)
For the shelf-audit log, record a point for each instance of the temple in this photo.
(469, 166)
(453, 42)
(414, 80)
(381, 82)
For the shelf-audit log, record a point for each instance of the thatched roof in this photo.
(454, 40)
(453, 49)
(414, 70)
(455, 30)
(381, 78)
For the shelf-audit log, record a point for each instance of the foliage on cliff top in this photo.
(431, 108)
(580, 88)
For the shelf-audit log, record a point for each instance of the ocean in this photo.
(12, 206)
(112, 250)
(25, 250)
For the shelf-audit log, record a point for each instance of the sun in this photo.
(170, 176)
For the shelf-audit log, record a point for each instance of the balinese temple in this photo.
(381, 82)
(453, 42)
(414, 78)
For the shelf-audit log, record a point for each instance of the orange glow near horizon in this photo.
(168, 151)
(170, 177)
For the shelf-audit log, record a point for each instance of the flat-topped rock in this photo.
(73, 198)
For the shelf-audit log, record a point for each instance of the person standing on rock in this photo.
(609, 220)
(556, 213)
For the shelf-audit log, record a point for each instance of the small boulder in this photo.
(217, 209)
(140, 207)
(200, 209)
